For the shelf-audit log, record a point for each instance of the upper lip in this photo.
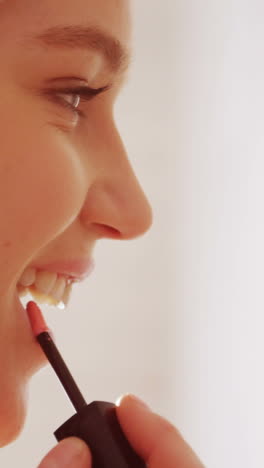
(77, 269)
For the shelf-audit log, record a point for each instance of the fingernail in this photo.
(134, 400)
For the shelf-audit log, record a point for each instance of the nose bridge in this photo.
(115, 200)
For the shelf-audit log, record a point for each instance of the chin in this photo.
(13, 409)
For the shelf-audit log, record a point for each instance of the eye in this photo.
(71, 97)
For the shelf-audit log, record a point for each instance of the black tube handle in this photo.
(97, 424)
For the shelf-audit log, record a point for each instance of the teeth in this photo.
(67, 293)
(45, 287)
(58, 289)
(28, 277)
(42, 298)
(22, 291)
(45, 281)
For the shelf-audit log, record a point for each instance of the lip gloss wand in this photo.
(95, 423)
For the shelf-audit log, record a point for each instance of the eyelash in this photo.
(84, 92)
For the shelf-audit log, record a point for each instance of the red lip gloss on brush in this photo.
(97, 423)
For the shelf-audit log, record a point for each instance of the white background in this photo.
(176, 316)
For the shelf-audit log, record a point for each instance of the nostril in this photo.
(103, 230)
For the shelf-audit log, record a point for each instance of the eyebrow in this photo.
(86, 38)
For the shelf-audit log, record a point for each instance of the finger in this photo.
(154, 438)
(69, 453)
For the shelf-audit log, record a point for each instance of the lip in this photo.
(77, 269)
(35, 357)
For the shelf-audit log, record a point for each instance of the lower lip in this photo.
(22, 315)
(36, 358)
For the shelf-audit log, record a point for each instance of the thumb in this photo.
(154, 438)
(69, 453)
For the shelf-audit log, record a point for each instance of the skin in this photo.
(154, 438)
(47, 154)
(65, 182)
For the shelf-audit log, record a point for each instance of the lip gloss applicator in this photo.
(95, 423)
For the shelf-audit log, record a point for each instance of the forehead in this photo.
(29, 17)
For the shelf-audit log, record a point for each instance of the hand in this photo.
(69, 453)
(154, 438)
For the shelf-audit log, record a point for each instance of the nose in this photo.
(116, 206)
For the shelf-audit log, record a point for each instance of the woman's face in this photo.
(65, 180)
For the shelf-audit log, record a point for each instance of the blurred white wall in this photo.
(177, 315)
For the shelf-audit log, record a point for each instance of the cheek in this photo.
(42, 186)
